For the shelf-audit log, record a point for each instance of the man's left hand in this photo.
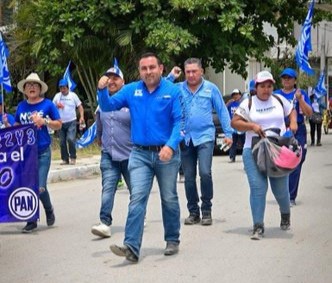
(228, 141)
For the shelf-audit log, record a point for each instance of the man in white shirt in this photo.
(67, 101)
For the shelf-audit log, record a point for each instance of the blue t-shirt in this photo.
(11, 120)
(232, 107)
(44, 108)
(291, 98)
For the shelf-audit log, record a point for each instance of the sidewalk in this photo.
(84, 167)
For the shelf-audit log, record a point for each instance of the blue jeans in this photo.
(68, 135)
(294, 177)
(190, 154)
(111, 172)
(258, 184)
(44, 163)
(143, 166)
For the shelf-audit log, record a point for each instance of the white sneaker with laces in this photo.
(101, 230)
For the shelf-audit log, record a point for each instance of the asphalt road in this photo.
(223, 252)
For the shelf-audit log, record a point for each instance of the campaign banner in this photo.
(19, 188)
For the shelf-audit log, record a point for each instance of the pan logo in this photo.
(23, 203)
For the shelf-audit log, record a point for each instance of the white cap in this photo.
(115, 71)
(264, 76)
(235, 90)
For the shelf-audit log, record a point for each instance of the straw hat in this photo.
(34, 78)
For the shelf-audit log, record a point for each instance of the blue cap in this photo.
(63, 82)
(289, 72)
(252, 85)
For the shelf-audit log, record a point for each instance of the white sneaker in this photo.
(101, 230)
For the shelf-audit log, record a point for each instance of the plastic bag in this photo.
(276, 160)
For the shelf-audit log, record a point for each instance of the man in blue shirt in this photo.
(155, 112)
(200, 97)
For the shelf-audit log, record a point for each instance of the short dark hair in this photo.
(150, 54)
(193, 61)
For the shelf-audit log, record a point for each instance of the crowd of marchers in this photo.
(152, 127)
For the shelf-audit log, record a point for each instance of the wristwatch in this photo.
(47, 121)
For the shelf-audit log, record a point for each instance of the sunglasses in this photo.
(32, 84)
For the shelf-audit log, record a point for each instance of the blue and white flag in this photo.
(320, 89)
(88, 137)
(4, 72)
(67, 76)
(304, 45)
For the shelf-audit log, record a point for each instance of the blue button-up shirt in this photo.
(155, 116)
(113, 128)
(198, 107)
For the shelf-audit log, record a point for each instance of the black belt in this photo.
(156, 148)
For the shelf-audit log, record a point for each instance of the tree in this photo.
(92, 32)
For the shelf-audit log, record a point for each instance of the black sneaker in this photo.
(50, 217)
(206, 218)
(258, 232)
(192, 219)
(125, 252)
(171, 248)
(29, 227)
(285, 221)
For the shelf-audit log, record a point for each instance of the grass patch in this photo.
(91, 150)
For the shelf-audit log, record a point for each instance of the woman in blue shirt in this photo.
(302, 105)
(42, 113)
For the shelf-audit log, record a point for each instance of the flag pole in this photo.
(3, 101)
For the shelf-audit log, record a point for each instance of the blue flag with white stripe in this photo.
(88, 137)
(67, 76)
(304, 45)
(4, 72)
(320, 89)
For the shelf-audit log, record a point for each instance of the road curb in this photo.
(84, 167)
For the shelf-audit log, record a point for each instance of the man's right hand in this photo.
(103, 82)
(176, 72)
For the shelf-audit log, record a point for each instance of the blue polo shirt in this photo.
(198, 109)
(155, 117)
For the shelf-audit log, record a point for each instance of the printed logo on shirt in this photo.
(267, 109)
(166, 96)
(25, 117)
(138, 92)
